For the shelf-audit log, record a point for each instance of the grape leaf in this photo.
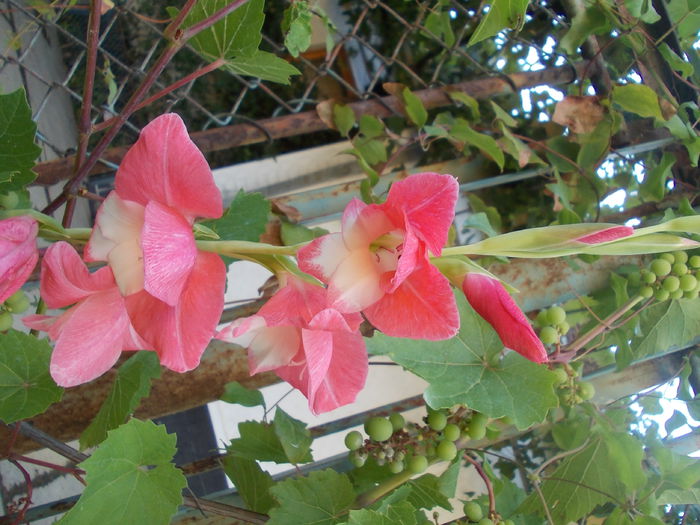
(322, 498)
(590, 21)
(502, 14)
(567, 494)
(462, 132)
(26, 387)
(426, 493)
(400, 512)
(132, 384)
(294, 437)
(679, 497)
(668, 324)
(258, 441)
(244, 220)
(130, 478)
(458, 371)
(236, 393)
(343, 118)
(297, 26)
(414, 108)
(638, 99)
(685, 15)
(654, 185)
(252, 482)
(263, 65)
(17, 149)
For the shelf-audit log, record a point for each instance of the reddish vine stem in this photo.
(179, 38)
(30, 491)
(487, 482)
(168, 89)
(76, 472)
(13, 439)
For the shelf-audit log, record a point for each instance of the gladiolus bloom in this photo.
(492, 302)
(90, 335)
(379, 263)
(18, 253)
(174, 293)
(309, 344)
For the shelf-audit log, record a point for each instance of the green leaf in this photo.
(132, 384)
(263, 65)
(638, 99)
(26, 387)
(644, 10)
(372, 151)
(654, 185)
(343, 118)
(567, 494)
(685, 15)
(477, 205)
(462, 132)
(237, 35)
(682, 66)
(414, 108)
(438, 23)
(625, 454)
(590, 21)
(17, 149)
(371, 127)
(667, 325)
(480, 221)
(679, 497)
(397, 513)
(458, 371)
(469, 102)
(236, 393)
(294, 436)
(296, 25)
(258, 441)
(426, 493)
(296, 233)
(252, 482)
(130, 479)
(503, 116)
(502, 14)
(322, 498)
(571, 433)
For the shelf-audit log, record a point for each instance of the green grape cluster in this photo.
(671, 276)
(552, 324)
(474, 513)
(17, 303)
(570, 389)
(387, 443)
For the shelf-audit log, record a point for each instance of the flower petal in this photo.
(89, 339)
(180, 333)
(363, 223)
(427, 202)
(322, 256)
(492, 302)
(165, 166)
(355, 285)
(169, 252)
(422, 307)
(18, 253)
(66, 280)
(609, 234)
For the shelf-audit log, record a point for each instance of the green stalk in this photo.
(239, 249)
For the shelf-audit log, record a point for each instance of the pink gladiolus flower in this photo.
(90, 335)
(492, 302)
(309, 344)
(610, 234)
(18, 253)
(174, 293)
(379, 263)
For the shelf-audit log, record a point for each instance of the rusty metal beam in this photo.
(308, 122)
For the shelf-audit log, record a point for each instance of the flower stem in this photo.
(367, 498)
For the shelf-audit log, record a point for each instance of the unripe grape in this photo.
(688, 282)
(18, 306)
(389, 452)
(676, 294)
(508, 522)
(399, 456)
(5, 321)
(437, 420)
(556, 315)
(586, 390)
(679, 269)
(380, 454)
(560, 376)
(380, 461)
(446, 450)
(379, 428)
(671, 283)
(660, 267)
(694, 261)
(476, 430)
(541, 319)
(646, 292)
(661, 294)
(563, 328)
(668, 257)
(549, 335)
(473, 511)
(353, 440)
(417, 464)
(680, 257)
(693, 294)
(430, 451)
(357, 459)
(479, 419)
(648, 277)
(397, 421)
(9, 200)
(396, 466)
(451, 432)
(485, 521)
(507, 420)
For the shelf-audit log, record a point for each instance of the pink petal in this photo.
(422, 307)
(427, 202)
(272, 347)
(492, 302)
(165, 166)
(18, 253)
(169, 252)
(116, 239)
(362, 224)
(607, 235)
(66, 280)
(412, 255)
(89, 339)
(294, 304)
(355, 285)
(322, 256)
(181, 333)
